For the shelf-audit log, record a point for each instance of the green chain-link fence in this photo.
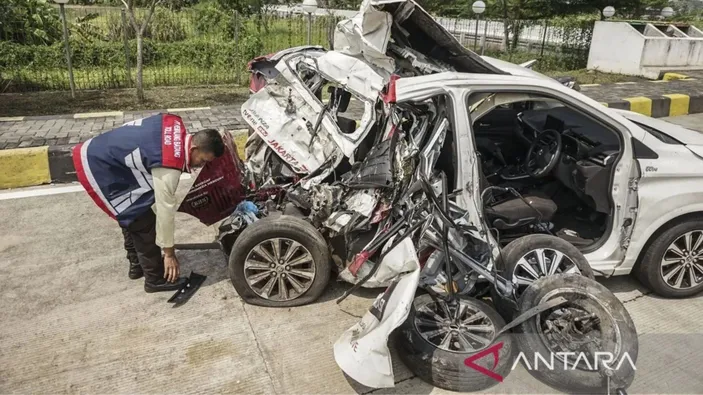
(206, 45)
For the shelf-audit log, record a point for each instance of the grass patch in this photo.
(60, 102)
(100, 78)
(584, 76)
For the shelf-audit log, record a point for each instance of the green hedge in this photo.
(206, 53)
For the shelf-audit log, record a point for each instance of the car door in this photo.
(608, 252)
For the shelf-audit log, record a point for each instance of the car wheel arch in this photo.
(698, 214)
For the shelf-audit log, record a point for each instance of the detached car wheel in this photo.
(672, 266)
(529, 258)
(279, 261)
(588, 335)
(437, 339)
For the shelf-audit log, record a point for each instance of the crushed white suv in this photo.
(524, 153)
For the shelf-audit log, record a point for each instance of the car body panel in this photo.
(671, 186)
(685, 136)
(609, 254)
(515, 69)
(285, 113)
(643, 199)
(368, 34)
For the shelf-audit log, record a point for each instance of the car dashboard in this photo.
(588, 151)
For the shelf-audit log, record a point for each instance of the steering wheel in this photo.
(543, 154)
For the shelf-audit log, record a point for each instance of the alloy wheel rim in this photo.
(279, 269)
(682, 264)
(458, 328)
(538, 263)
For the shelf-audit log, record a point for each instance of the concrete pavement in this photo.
(73, 323)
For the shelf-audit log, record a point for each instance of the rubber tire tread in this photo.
(280, 226)
(445, 369)
(529, 341)
(648, 270)
(517, 248)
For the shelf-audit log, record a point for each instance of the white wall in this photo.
(616, 47)
(673, 52)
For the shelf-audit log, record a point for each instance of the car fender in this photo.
(655, 216)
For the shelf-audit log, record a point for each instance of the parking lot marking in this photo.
(187, 109)
(44, 191)
(11, 119)
(98, 114)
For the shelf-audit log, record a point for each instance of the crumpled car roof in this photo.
(381, 23)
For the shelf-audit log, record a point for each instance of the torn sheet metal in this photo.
(369, 32)
(358, 206)
(363, 82)
(362, 351)
(425, 35)
(366, 34)
(296, 125)
(337, 221)
(363, 202)
(353, 74)
(289, 134)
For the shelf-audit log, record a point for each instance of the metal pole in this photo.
(478, 18)
(544, 38)
(309, 28)
(485, 31)
(237, 45)
(68, 51)
(125, 26)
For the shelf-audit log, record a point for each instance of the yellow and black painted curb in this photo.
(669, 105)
(24, 167)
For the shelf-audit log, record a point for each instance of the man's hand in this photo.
(171, 265)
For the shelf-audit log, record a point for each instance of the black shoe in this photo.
(135, 271)
(162, 285)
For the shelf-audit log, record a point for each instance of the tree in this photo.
(139, 30)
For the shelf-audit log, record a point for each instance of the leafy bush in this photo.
(166, 26)
(29, 22)
(210, 19)
(252, 46)
(200, 53)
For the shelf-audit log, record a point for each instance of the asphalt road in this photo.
(72, 322)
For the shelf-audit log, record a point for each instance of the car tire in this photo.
(511, 257)
(651, 271)
(613, 322)
(447, 369)
(295, 283)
